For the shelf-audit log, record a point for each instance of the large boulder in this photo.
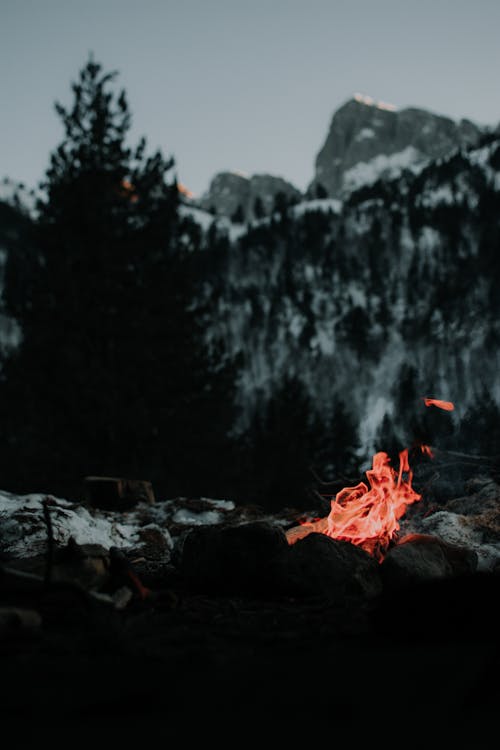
(320, 566)
(231, 559)
(423, 557)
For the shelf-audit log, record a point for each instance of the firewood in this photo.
(18, 585)
(117, 493)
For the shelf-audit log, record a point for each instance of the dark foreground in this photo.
(197, 665)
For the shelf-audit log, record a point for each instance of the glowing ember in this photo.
(368, 517)
(446, 405)
(183, 190)
(129, 191)
(427, 450)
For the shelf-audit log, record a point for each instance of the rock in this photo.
(230, 190)
(369, 139)
(320, 566)
(16, 622)
(231, 558)
(423, 557)
(82, 535)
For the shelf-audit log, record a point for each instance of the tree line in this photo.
(113, 375)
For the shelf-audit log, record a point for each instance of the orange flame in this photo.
(427, 450)
(368, 517)
(446, 405)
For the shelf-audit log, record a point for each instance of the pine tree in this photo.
(280, 449)
(238, 216)
(258, 208)
(321, 191)
(112, 376)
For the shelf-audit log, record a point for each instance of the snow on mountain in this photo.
(382, 165)
(383, 287)
(392, 286)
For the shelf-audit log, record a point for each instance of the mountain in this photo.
(389, 298)
(368, 139)
(368, 303)
(234, 195)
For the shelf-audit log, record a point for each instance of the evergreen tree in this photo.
(258, 208)
(238, 216)
(280, 449)
(338, 444)
(479, 431)
(112, 376)
(281, 204)
(321, 191)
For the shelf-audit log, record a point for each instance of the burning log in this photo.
(368, 516)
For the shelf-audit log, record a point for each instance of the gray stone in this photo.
(232, 559)
(229, 190)
(423, 557)
(320, 566)
(367, 140)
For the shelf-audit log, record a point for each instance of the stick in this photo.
(50, 543)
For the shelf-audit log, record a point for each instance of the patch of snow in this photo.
(318, 204)
(365, 133)
(239, 173)
(17, 195)
(357, 295)
(24, 531)
(390, 165)
(296, 326)
(458, 530)
(309, 273)
(191, 518)
(441, 195)
(480, 156)
(219, 504)
(204, 218)
(324, 341)
(429, 240)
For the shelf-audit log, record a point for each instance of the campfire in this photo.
(367, 516)
(216, 595)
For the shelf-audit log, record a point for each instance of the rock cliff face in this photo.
(232, 193)
(369, 139)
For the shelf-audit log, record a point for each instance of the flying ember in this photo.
(367, 515)
(445, 405)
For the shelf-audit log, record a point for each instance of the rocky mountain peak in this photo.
(369, 139)
(242, 198)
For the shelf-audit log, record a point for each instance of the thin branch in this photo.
(50, 543)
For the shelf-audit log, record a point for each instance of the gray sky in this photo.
(243, 84)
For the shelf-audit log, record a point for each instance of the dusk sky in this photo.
(234, 84)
